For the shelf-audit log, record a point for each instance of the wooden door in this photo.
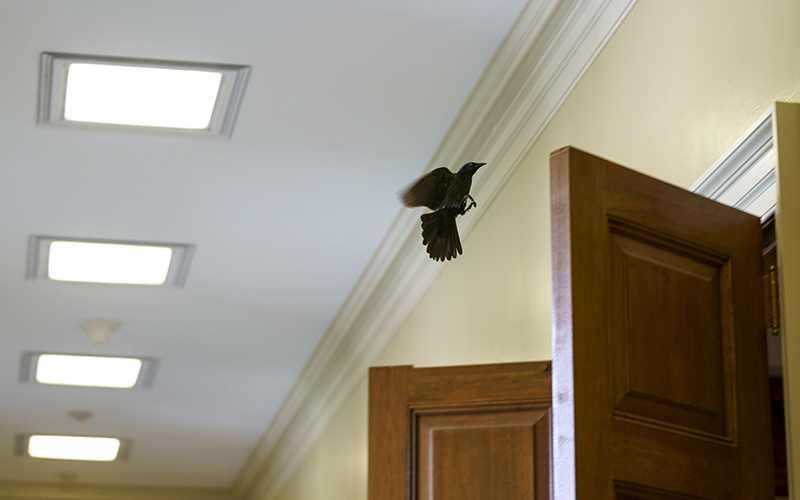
(460, 433)
(659, 365)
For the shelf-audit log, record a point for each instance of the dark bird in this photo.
(447, 194)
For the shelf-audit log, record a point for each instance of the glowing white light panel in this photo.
(74, 448)
(143, 96)
(89, 371)
(108, 263)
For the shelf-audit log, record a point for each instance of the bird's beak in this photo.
(479, 165)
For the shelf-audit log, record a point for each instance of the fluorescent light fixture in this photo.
(136, 95)
(100, 449)
(80, 90)
(88, 371)
(108, 261)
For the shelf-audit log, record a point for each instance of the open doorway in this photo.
(774, 356)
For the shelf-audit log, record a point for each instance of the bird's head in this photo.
(470, 168)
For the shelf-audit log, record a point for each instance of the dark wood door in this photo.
(460, 433)
(659, 365)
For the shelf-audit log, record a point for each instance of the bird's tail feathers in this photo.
(440, 234)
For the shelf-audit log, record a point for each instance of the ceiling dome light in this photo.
(80, 416)
(100, 329)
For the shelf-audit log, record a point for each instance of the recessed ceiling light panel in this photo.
(61, 447)
(137, 95)
(89, 371)
(108, 261)
(98, 449)
(121, 372)
(195, 97)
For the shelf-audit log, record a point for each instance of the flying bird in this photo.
(447, 194)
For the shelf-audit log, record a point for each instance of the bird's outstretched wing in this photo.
(440, 234)
(429, 190)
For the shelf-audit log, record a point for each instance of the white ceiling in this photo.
(346, 103)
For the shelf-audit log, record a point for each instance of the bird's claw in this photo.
(465, 207)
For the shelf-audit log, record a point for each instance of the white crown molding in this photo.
(538, 64)
(28, 491)
(744, 176)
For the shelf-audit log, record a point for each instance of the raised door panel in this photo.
(465, 432)
(669, 332)
(482, 453)
(659, 362)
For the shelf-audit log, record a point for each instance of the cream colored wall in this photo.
(336, 468)
(678, 83)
